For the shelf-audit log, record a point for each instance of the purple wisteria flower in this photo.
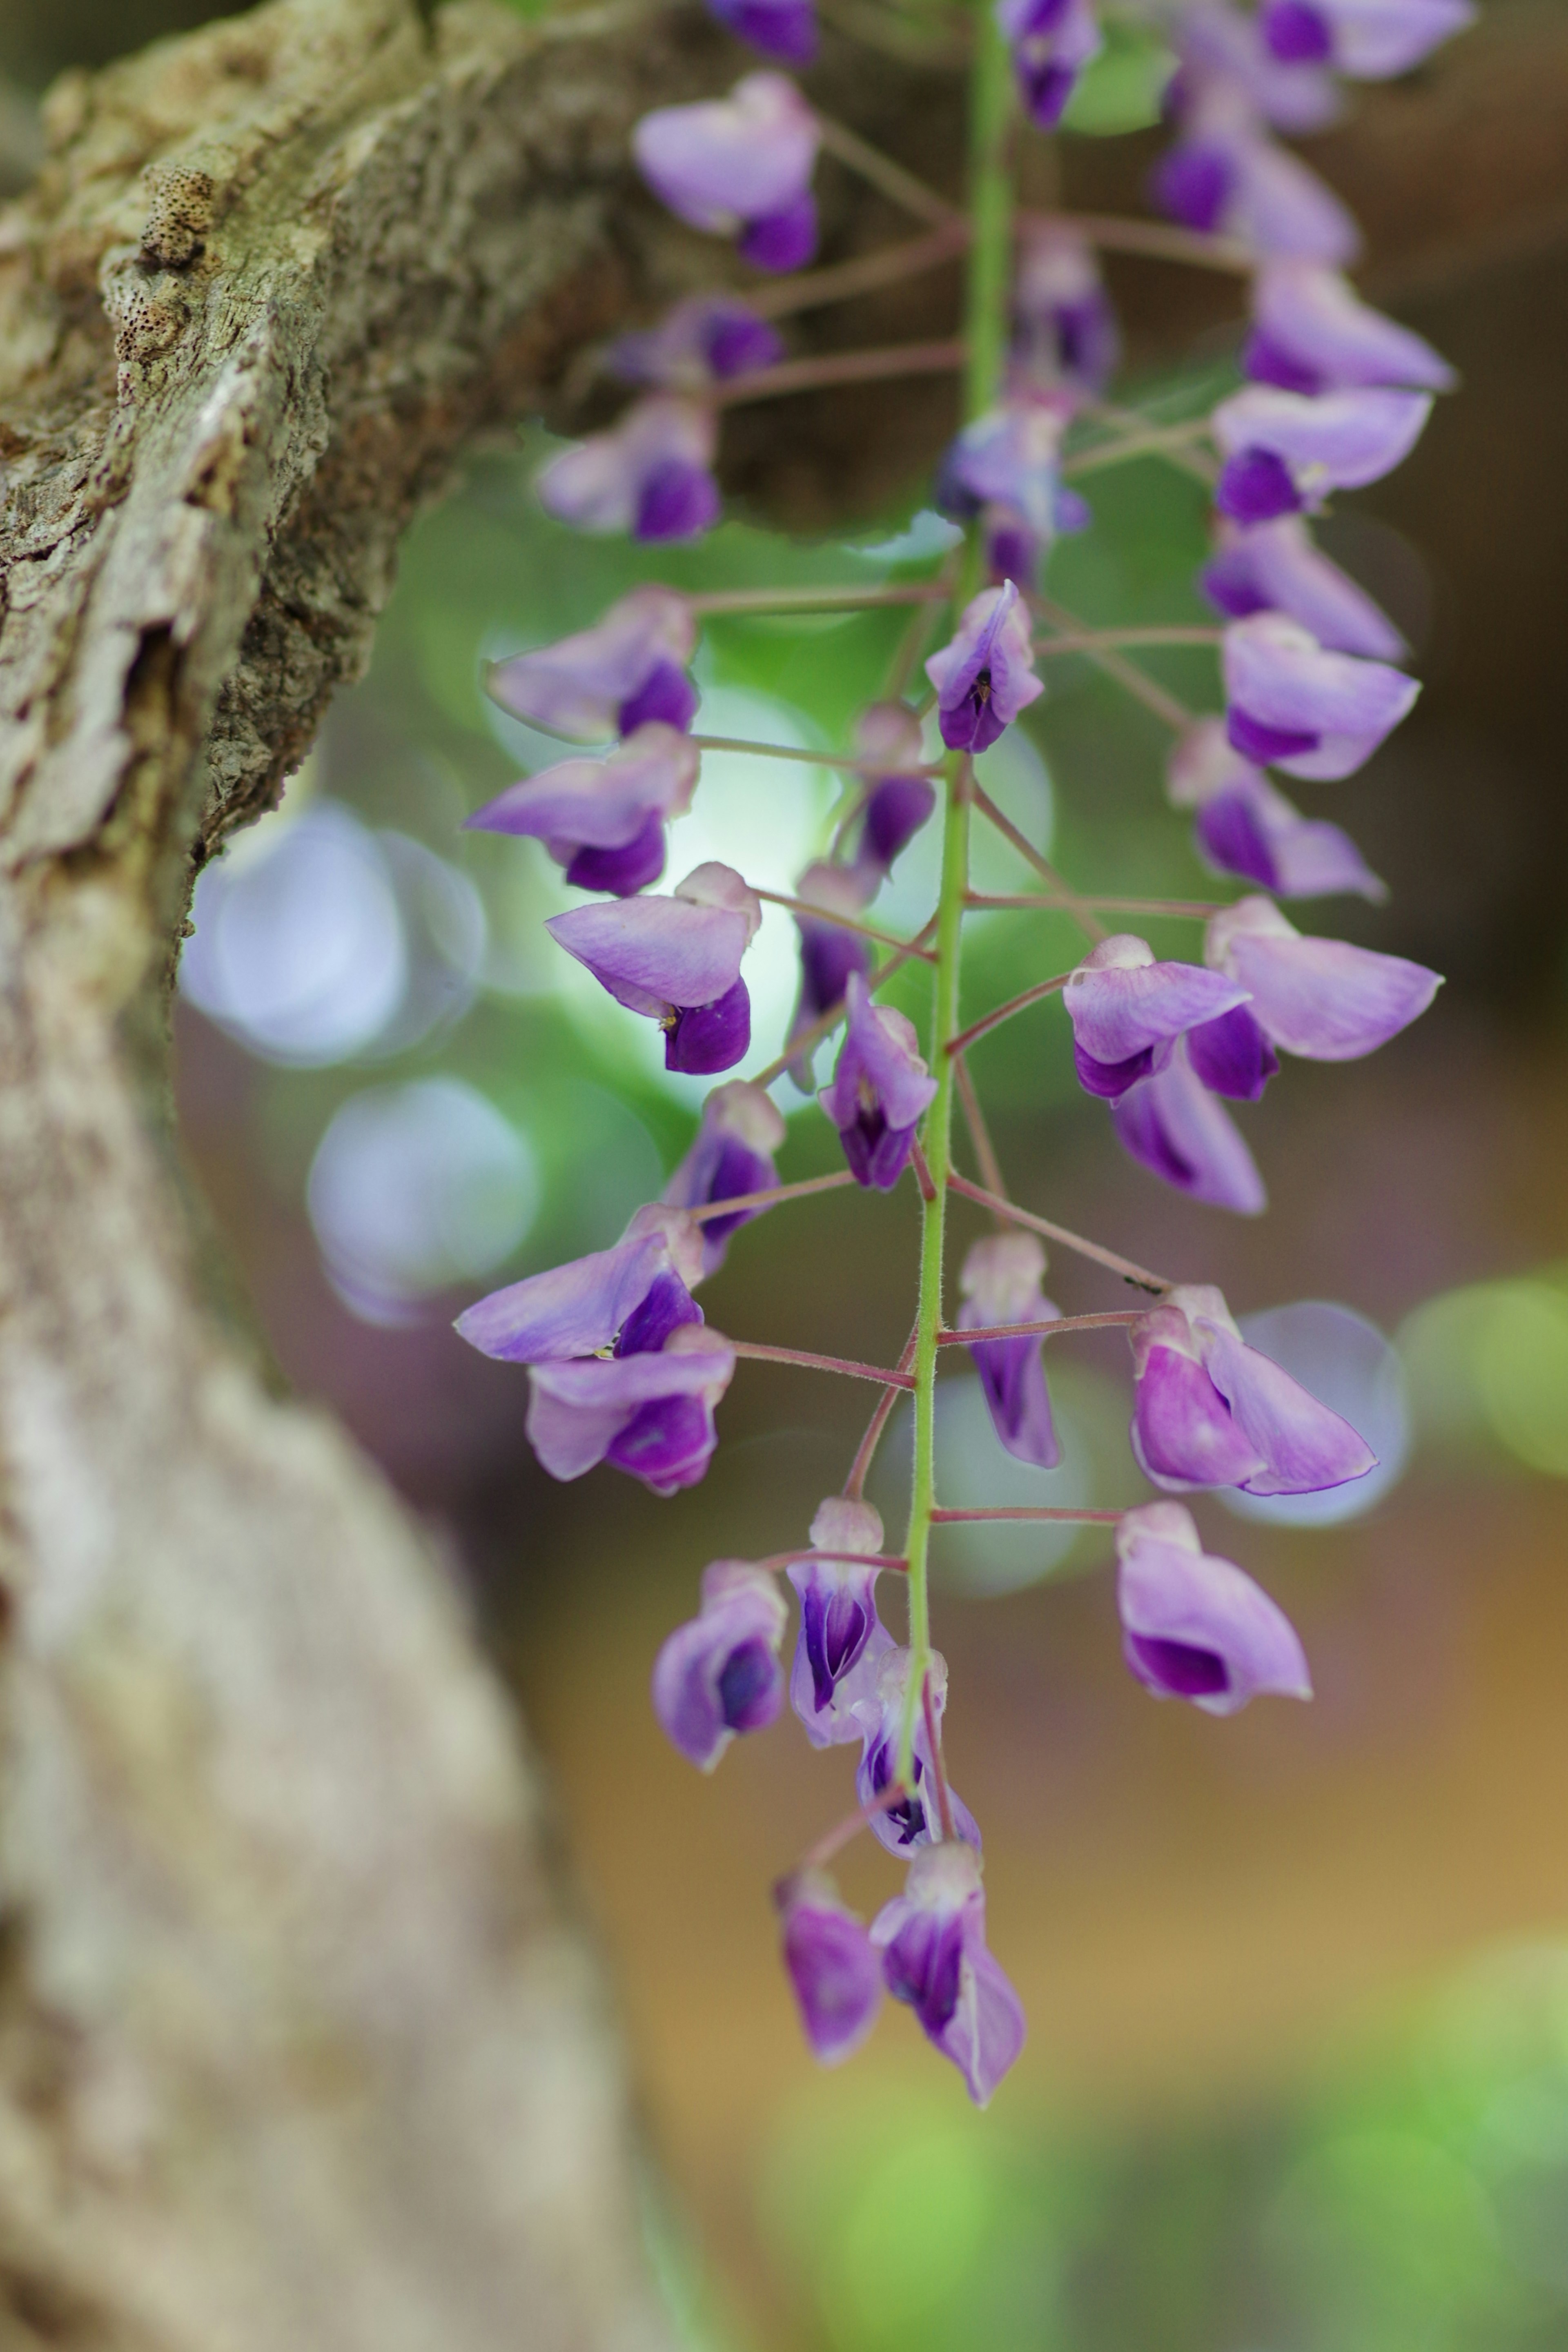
(986, 675)
(1065, 334)
(1195, 1627)
(879, 1091)
(1173, 1125)
(842, 1640)
(934, 1958)
(782, 29)
(631, 1295)
(1324, 1000)
(1051, 41)
(829, 952)
(898, 799)
(1005, 469)
(732, 1155)
(1127, 1011)
(1284, 452)
(1001, 1284)
(1311, 332)
(1274, 567)
(1225, 62)
(1372, 40)
(650, 475)
(602, 820)
(1243, 825)
(676, 960)
(611, 679)
(880, 1716)
(1225, 177)
(1289, 704)
(834, 1968)
(1209, 1411)
(703, 341)
(719, 1673)
(739, 166)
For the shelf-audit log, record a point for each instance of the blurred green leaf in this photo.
(1122, 88)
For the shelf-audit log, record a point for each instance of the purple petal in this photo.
(732, 1155)
(1064, 327)
(880, 1088)
(1232, 1055)
(1314, 317)
(604, 803)
(1195, 1626)
(1340, 440)
(1279, 679)
(704, 1039)
(703, 339)
(1195, 184)
(841, 1644)
(1255, 487)
(1304, 1447)
(1371, 39)
(934, 1958)
(897, 809)
(621, 872)
(1183, 1432)
(782, 240)
(1173, 1125)
(727, 160)
(1275, 565)
(1225, 60)
(1280, 207)
(676, 499)
(986, 677)
(577, 1411)
(579, 686)
(655, 953)
(601, 485)
(719, 1674)
(1328, 1001)
(1297, 33)
(1245, 826)
(578, 1308)
(1121, 1002)
(835, 1969)
(782, 29)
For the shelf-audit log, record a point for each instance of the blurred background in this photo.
(1297, 1983)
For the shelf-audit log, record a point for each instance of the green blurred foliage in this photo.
(1123, 86)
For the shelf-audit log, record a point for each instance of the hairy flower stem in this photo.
(840, 367)
(966, 1037)
(1125, 1267)
(985, 332)
(731, 1203)
(843, 922)
(758, 1351)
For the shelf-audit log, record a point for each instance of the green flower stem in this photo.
(986, 333)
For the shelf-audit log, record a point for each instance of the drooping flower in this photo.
(1275, 567)
(879, 1091)
(647, 1411)
(1224, 177)
(1284, 452)
(782, 29)
(732, 1155)
(1225, 66)
(650, 475)
(1001, 1284)
(1243, 825)
(842, 1640)
(1209, 1411)
(1051, 41)
(1195, 1627)
(1291, 705)
(1311, 332)
(986, 677)
(602, 820)
(611, 679)
(835, 1969)
(829, 951)
(676, 960)
(637, 1292)
(1005, 469)
(1065, 334)
(1372, 40)
(1127, 1011)
(898, 799)
(719, 1673)
(934, 1958)
(739, 166)
(1325, 1000)
(915, 1820)
(1173, 1125)
(703, 341)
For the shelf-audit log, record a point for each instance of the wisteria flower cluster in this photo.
(623, 1366)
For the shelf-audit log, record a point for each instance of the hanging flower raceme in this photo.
(650, 475)
(829, 952)
(676, 960)
(1051, 41)
(914, 1820)
(986, 675)
(1242, 826)
(1311, 332)
(784, 30)
(732, 1155)
(834, 1968)
(1195, 1627)
(602, 820)
(1324, 1000)
(1005, 471)
(1127, 1011)
(1372, 40)
(1209, 1411)
(1174, 1128)
(934, 1958)
(1274, 567)
(739, 166)
(898, 799)
(1284, 452)
(1289, 704)
(719, 1674)
(1001, 1284)
(880, 1089)
(1064, 335)
(842, 1640)
(703, 341)
(629, 669)
(621, 1367)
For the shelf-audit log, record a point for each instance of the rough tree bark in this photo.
(299, 2043)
